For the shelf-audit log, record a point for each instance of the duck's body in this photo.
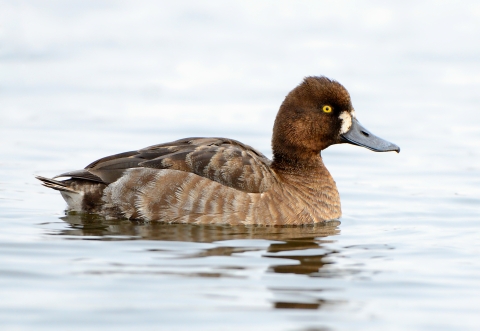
(222, 181)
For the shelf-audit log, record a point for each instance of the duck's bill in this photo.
(358, 135)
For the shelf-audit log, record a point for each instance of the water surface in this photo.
(92, 78)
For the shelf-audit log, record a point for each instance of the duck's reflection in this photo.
(288, 240)
(308, 264)
(94, 227)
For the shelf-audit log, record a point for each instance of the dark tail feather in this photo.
(81, 174)
(55, 184)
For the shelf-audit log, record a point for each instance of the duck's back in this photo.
(222, 160)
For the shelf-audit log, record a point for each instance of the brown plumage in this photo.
(218, 180)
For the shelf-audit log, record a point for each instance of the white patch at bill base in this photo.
(346, 121)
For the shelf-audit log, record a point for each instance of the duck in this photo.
(205, 180)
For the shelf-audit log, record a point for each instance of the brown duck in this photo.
(222, 181)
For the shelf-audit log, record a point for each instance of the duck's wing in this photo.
(225, 161)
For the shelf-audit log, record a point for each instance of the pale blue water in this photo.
(83, 79)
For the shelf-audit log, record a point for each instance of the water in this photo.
(86, 79)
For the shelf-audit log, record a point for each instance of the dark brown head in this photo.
(314, 115)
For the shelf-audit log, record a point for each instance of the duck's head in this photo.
(316, 114)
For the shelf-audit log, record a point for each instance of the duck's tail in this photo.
(55, 184)
(80, 194)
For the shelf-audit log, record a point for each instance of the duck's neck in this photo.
(304, 164)
(308, 171)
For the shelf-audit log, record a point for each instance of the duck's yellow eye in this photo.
(327, 109)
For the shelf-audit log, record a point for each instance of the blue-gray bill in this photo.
(358, 135)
